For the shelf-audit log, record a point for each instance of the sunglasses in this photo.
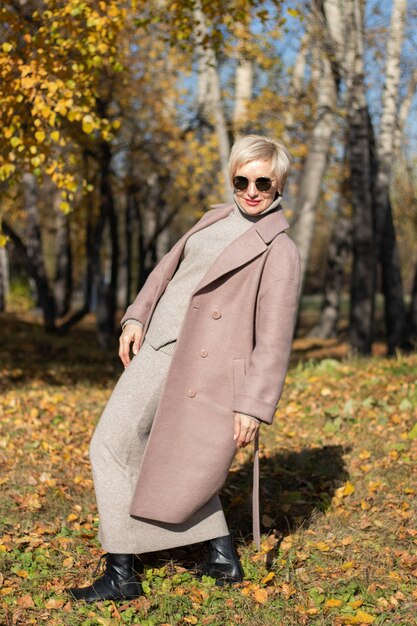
(262, 183)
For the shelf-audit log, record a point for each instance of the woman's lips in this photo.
(252, 202)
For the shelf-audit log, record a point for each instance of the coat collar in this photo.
(268, 227)
(246, 247)
(249, 245)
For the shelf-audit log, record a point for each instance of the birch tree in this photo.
(207, 64)
(316, 160)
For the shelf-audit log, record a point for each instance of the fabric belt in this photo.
(256, 526)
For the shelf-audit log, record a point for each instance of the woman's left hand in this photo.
(245, 429)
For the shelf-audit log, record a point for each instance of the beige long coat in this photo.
(231, 356)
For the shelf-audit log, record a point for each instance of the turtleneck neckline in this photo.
(255, 218)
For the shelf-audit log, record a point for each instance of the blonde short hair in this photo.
(260, 148)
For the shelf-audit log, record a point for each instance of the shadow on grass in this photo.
(295, 487)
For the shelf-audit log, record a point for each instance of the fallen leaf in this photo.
(260, 595)
(54, 603)
(25, 601)
(267, 578)
(333, 602)
(346, 490)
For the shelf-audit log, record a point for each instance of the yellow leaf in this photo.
(22, 573)
(40, 136)
(88, 124)
(267, 578)
(322, 546)
(4, 239)
(7, 170)
(65, 207)
(333, 602)
(313, 611)
(364, 618)
(6, 47)
(345, 491)
(68, 562)
(191, 619)
(55, 135)
(260, 595)
(360, 618)
(355, 604)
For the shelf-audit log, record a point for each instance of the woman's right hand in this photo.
(132, 333)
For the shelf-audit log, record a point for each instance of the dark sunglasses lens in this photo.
(263, 184)
(240, 183)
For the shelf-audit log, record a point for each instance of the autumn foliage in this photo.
(338, 488)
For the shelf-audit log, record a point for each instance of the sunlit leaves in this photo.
(50, 66)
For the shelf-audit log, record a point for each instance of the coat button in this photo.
(203, 353)
(191, 393)
(216, 314)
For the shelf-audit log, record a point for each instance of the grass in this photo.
(338, 490)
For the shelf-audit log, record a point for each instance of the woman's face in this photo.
(250, 199)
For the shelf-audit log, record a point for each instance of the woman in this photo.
(211, 334)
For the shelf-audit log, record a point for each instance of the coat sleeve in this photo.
(274, 328)
(141, 306)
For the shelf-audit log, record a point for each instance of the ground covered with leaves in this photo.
(338, 494)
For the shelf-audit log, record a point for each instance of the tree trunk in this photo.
(34, 250)
(4, 277)
(339, 251)
(314, 165)
(130, 213)
(362, 300)
(208, 65)
(90, 253)
(63, 269)
(403, 112)
(385, 239)
(107, 280)
(412, 315)
(243, 94)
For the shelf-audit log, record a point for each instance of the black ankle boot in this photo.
(223, 562)
(119, 582)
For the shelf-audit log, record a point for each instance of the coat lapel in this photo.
(248, 246)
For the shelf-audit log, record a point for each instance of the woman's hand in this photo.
(246, 428)
(132, 333)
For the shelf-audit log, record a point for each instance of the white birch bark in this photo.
(296, 85)
(4, 276)
(404, 110)
(243, 93)
(390, 96)
(314, 165)
(208, 64)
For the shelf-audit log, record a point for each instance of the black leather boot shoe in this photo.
(119, 582)
(223, 563)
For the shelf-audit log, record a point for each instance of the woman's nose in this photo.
(252, 190)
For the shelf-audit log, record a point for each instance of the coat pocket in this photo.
(239, 372)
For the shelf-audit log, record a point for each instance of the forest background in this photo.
(117, 121)
(116, 124)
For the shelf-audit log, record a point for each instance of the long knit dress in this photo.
(120, 439)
